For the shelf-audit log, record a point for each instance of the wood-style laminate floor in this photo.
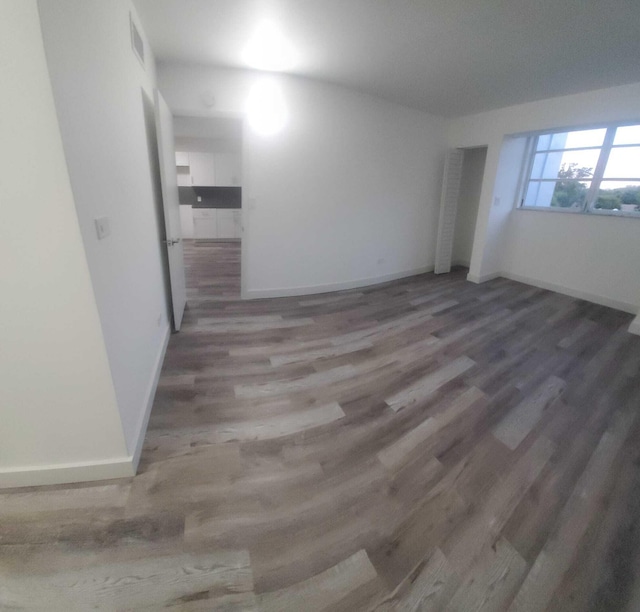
(426, 444)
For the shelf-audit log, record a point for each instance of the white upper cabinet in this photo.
(182, 169)
(184, 178)
(182, 158)
(227, 169)
(208, 169)
(202, 167)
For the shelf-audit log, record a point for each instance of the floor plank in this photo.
(324, 591)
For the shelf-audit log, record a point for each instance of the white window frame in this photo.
(596, 179)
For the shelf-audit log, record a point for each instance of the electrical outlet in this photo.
(102, 227)
(380, 261)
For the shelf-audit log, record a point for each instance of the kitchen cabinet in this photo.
(205, 223)
(217, 223)
(207, 169)
(226, 225)
(182, 169)
(184, 177)
(227, 167)
(182, 159)
(186, 221)
(237, 224)
(202, 169)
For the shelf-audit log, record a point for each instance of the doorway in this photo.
(468, 203)
(459, 204)
(209, 169)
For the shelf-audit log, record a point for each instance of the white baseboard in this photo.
(581, 295)
(252, 294)
(151, 393)
(482, 278)
(67, 473)
(634, 328)
(121, 467)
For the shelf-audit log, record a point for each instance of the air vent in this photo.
(137, 44)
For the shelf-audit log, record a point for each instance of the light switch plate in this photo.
(102, 227)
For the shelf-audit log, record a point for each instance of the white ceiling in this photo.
(448, 57)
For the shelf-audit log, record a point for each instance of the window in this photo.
(596, 170)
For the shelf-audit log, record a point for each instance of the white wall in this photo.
(596, 259)
(57, 401)
(587, 256)
(208, 134)
(346, 194)
(468, 203)
(97, 84)
(206, 145)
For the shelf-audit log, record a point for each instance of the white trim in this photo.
(582, 295)
(602, 212)
(592, 212)
(634, 328)
(151, 393)
(567, 149)
(67, 473)
(252, 294)
(555, 209)
(482, 278)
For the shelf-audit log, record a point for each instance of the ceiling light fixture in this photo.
(269, 50)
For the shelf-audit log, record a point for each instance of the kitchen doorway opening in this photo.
(210, 179)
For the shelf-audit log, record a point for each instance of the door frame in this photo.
(247, 202)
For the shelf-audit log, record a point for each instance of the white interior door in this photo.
(448, 208)
(171, 205)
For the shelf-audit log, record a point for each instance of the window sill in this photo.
(589, 213)
(555, 210)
